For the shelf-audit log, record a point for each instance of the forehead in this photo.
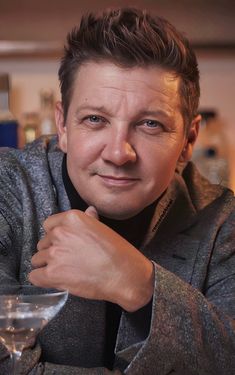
(104, 70)
(105, 81)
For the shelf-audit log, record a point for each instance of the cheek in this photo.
(81, 153)
(159, 166)
(160, 159)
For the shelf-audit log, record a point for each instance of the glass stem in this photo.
(15, 357)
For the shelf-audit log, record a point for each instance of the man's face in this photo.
(123, 136)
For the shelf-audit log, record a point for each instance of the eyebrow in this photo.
(91, 108)
(158, 112)
(141, 113)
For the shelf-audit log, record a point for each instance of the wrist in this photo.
(139, 289)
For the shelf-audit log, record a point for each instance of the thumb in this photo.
(91, 211)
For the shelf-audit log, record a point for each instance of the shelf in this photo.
(17, 49)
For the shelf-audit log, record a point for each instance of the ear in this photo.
(61, 127)
(190, 140)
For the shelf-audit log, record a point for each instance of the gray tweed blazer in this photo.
(191, 241)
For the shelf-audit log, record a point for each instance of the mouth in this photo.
(110, 180)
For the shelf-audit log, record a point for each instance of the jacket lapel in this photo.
(168, 241)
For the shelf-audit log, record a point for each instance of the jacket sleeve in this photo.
(191, 333)
(30, 365)
(10, 231)
(8, 259)
(51, 369)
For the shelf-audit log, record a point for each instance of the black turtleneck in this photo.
(133, 230)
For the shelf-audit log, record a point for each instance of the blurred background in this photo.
(32, 35)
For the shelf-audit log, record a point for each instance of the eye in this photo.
(152, 123)
(94, 120)
(151, 126)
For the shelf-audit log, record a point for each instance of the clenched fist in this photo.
(80, 254)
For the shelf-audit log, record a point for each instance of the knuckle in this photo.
(57, 232)
(40, 244)
(49, 274)
(52, 252)
(52, 275)
(72, 216)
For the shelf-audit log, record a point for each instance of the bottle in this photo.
(211, 150)
(8, 124)
(30, 125)
(47, 123)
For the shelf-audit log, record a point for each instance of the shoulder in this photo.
(33, 155)
(27, 171)
(26, 178)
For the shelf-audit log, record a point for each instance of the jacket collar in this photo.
(175, 203)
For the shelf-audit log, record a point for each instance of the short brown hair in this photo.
(131, 37)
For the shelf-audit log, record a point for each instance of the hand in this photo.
(84, 256)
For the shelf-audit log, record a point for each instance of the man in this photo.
(120, 218)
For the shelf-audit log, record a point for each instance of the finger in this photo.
(40, 259)
(38, 278)
(61, 219)
(91, 211)
(44, 243)
(53, 221)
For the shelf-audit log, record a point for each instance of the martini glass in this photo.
(24, 311)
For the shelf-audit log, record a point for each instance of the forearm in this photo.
(51, 369)
(187, 334)
(7, 256)
(30, 365)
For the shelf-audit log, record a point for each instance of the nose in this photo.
(118, 149)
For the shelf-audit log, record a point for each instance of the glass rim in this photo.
(48, 291)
